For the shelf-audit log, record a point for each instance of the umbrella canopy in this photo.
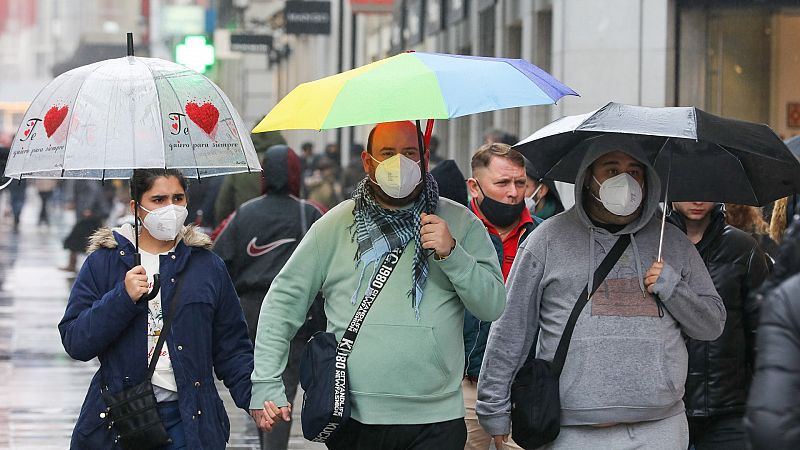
(699, 156)
(105, 119)
(414, 86)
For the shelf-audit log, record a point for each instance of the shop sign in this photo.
(251, 43)
(307, 17)
(793, 115)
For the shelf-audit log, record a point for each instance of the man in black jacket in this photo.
(720, 371)
(255, 244)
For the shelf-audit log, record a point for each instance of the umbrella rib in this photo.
(160, 111)
(749, 184)
(191, 142)
(238, 135)
(24, 161)
(69, 126)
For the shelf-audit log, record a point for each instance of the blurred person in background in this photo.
(306, 157)
(45, 188)
(493, 136)
(354, 172)
(92, 205)
(451, 182)
(323, 186)
(750, 220)
(333, 153)
(16, 192)
(239, 188)
(541, 196)
(720, 371)
(255, 244)
(433, 149)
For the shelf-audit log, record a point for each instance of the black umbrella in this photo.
(699, 156)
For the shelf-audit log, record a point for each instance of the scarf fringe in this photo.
(377, 228)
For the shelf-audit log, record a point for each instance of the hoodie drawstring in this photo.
(639, 268)
(591, 262)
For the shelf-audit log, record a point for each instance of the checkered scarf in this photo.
(378, 231)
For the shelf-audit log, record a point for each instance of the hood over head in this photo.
(281, 171)
(598, 146)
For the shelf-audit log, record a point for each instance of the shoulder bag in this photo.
(323, 368)
(535, 395)
(134, 411)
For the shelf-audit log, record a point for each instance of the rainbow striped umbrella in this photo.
(412, 86)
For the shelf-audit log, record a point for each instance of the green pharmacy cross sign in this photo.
(195, 53)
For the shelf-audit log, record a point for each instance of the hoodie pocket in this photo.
(398, 360)
(617, 372)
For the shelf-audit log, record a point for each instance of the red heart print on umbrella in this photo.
(205, 115)
(54, 118)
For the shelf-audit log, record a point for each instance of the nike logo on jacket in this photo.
(256, 250)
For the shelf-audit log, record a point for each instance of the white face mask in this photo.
(530, 202)
(164, 223)
(397, 176)
(621, 194)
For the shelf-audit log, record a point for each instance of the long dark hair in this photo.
(142, 180)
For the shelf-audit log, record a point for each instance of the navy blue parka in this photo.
(208, 336)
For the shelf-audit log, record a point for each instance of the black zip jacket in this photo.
(773, 410)
(720, 371)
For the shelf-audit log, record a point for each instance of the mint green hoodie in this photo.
(402, 370)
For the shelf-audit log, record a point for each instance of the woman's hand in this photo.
(136, 284)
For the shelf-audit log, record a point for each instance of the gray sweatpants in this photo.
(671, 433)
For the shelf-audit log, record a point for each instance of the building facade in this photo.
(737, 58)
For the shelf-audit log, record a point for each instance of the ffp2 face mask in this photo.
(164, 223)
(621, 194)
(397, 176)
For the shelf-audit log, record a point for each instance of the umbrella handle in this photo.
(153, 292)
(6, 183)
(137, 261)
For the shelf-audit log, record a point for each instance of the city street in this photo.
(41, 388)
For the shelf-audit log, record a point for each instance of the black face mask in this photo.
(498, 213)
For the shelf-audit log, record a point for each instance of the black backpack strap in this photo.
(162, 337)
(599, 275)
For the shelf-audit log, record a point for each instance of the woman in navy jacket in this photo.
(105, 319)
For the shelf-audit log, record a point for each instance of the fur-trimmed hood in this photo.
(104, 237)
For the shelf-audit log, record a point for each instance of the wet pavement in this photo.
(41, 388)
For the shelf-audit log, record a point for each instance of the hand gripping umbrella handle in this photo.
(137, 261)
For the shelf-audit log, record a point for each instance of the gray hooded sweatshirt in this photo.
(626, 363)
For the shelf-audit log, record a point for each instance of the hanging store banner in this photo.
(372, 6)
(307, 17)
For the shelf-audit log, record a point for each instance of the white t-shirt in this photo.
(164, 385)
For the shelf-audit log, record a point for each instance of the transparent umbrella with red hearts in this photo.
(103, 120)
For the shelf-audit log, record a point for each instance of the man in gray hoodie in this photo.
(623, 379)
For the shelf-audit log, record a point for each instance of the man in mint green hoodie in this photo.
(623, 380)
(406, 366)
